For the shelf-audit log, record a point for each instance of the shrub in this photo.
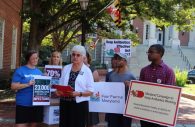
(181, 77)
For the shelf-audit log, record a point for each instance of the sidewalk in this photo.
(186, 117)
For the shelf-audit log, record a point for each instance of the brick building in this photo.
(10, 36)
(150, 33)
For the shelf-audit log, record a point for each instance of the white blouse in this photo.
(84, 81)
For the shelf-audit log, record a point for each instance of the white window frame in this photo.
(2, 42)
(14, 47)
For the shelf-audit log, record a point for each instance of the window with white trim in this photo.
(14, 44)
(147, 32)
(2, 26)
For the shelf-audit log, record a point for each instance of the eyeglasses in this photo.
(151, 52)
(77, 55)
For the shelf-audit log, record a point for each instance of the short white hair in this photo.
(80, 49)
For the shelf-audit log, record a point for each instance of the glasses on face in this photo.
(77, 55)
(151, 52)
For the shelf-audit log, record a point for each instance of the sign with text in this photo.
(106, 95)
(55, 72)
(41, 90)
(156, 103)
(113, 46)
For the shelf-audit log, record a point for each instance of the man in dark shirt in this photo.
(157, 72)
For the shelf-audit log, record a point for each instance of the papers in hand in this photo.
(64, 90)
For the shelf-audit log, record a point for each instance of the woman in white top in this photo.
(74, 107)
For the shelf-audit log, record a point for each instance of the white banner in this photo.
(107, 95)
(41, 90)
(156, 103)
(113, 46)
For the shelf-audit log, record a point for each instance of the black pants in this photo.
(32, 114)
(73, 114)
(148, 124)
(118, 120)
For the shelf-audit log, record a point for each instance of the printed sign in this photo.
(51, 115)
(41, 90)
(113, 46)
(156, 103)
(106, 95)
(55, 72)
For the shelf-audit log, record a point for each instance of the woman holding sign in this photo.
(54, 69)
(55, 58)
(22, 82)
(74, 104)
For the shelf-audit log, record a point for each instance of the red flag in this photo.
(93, 45)
(114, 11)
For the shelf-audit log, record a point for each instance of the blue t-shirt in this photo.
(23, 75)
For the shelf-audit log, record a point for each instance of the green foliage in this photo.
(44, 55)
(47, 41)
(181, 77)
(49, 16)
(189, 89)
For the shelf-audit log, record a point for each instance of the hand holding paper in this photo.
(64, 91)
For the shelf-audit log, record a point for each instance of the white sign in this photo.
(156, 103)
(51, 115)
(113, 46)
(41, 90)
(107, 95)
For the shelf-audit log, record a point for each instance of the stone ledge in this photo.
(189, 96)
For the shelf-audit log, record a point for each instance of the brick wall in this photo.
(184, 38)
(9, 12)
(138, 23)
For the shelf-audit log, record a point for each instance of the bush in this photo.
(181, 77)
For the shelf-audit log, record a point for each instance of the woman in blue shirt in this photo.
(22, 82)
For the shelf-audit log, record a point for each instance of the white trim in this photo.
(2, 22)
(191, 42)
(145, 41)
(14, 47)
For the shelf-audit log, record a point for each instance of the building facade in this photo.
(10, 36)
(150, 33)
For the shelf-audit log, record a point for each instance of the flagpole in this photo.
(102, 10)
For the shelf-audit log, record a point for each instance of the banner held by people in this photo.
(113, 46)
(156, 103)
(106, 95)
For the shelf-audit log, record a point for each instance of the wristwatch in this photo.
(80, 94)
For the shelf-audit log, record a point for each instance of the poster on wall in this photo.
(156, 103)
(113, 46)
(106, 95)
(41, 90)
